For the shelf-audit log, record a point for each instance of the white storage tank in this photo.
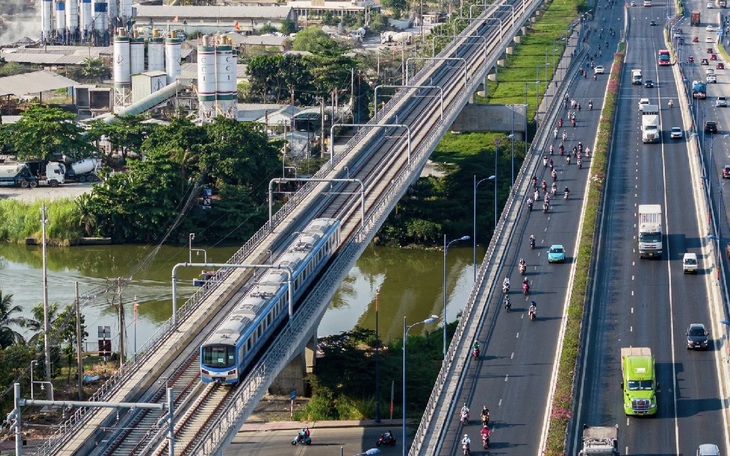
(60, 17)
(136, 54)
(206, 79)
(125, 10)
(122, 61)
(226, 79)
(46, 19)
(86, 24)
(72, 16)
(112, 9)
(100, 16)
(156, 52)
(173, 50)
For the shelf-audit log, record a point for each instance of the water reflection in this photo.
(410, 284)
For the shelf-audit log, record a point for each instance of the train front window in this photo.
(219, 356)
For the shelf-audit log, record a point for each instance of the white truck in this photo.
(600, 441)
(636, 76)
(650, 124)
(48, 173)
(650, 230)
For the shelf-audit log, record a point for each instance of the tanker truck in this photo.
(17, 175)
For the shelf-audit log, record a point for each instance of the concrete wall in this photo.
(491, 118)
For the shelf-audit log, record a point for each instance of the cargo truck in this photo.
(650, 132)
(83, 170)
(636, 76)
(699, 90)
(17, 175)
(694, 18)
(638, 381)
(48, 173)
(650, 230)
(600, 441)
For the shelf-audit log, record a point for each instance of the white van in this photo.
(708, 449)
(689, 263)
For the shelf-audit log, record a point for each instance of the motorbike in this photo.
(529, 206)
(532, 244)
(560, 123)
(507, 303)
(301, 439)
(485, 419)
(386, 439)
(551, 149)
(475, 353)
(505, 289)
(532, 312)
(485, 441)
(565, 136)
(525, 288)
(523, 268)
(465, 447)
(551, 165)
(590, 105)
(580, 163)
(671, 103)
(554, 175)
(595, 76)
(545, 207)
(544, 160)
(572, 121)
(565, 195)
(567, 158)
(464, 418)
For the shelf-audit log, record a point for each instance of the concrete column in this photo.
(292, 376)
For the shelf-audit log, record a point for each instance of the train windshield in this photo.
(219, 356)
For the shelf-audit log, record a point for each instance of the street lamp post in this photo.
(377, 361)
(407, 328)
(446, 249)
(474, 222)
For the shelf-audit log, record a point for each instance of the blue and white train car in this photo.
(233, 345)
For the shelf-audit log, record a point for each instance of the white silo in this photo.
(206, 79)
(86, 23)
(156, 52)
(112, 9)
(173, 50)
(121, 69)
(46, 19)
(100, 16)
(60, 17)
(125, 10)
(72, 18)
(136, 54)
(226, 79)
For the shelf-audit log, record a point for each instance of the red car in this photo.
(726, 172)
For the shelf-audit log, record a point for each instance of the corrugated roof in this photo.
(44, 59)
(212, 12)
(33, 83)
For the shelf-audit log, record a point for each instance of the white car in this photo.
(721, 102)
(710, 28)
(642, 102)
(676, 133)
(710, 5)
(598, 69)
(711, 79)
(709, 39)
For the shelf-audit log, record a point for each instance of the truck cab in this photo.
(636, 76)
(639, 381)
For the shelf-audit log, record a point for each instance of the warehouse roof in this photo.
(213, 12)
(32, 83)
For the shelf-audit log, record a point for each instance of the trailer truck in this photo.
(17, 175)
(638, 381)
(694, 18)
(48, 173)
(650, 132)
(650, 230)
(600, 441)
(699, 90)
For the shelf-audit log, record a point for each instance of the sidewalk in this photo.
(294, 425)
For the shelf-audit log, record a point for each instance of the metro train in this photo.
(225, 355)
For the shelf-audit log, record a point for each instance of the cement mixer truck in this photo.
(83, 170)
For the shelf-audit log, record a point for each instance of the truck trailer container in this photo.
(636, 76)
(600, 441)
(17, 175)
(650, 131)
(650, 230)
(694, 18)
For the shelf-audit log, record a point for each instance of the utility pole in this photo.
(121, 322)
(46, 335)
(79, 364)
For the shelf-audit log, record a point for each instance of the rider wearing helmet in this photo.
(505, 284)
(466, 441)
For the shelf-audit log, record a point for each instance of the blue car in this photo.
(556, 254)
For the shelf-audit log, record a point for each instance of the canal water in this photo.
(410, 284)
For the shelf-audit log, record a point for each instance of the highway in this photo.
(650, 302)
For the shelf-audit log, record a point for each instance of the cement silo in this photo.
(136, 54)
(72, 19)
(206, 79)
(86, 23)
(173, 50)
(60, 18)
(113, 11)
(226, 79)
(122, 69)
(100, 17)
(156, 52)
(125, 10)
(46, 19)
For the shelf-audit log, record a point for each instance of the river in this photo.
(410, 284)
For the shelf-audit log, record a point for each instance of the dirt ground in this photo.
(46, 193)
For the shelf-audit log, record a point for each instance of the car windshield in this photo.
(696, 332)
(556, 250)
(650, 237)
(676, 130)
(637, 385)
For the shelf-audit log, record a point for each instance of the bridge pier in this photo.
(292, 377)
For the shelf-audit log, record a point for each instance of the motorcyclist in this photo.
(485, 415)
(551, 164)
(505, 283)
(544, 160)
(529, 203)
(670, 102)
(533, 308)
(475, 346)
(554, 175)
(595, 76)
(590, 104)
(551, 147)
(464, 414)
(543, 186)
(555, 133)
(554, 188)
(522, 262)
(485, 435)
(466, 441)
(525, 283)
(532, 240)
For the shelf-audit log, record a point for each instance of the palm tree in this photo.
(9, 336)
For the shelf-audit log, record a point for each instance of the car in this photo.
(648, 83)
(633, 3)
(709, 39)
(678, 31)
(556, 254)
(710, 126)
(598, 69)
(676, 133)
(642, 102)
(710, 5)
(652, 22)
(697, 337)
(710, 28)
(708, 449)
(721, 102)
(712, 79)
(689, 263)
(726, 175)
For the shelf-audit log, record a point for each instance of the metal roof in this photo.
(33, 83)
(212, 12)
